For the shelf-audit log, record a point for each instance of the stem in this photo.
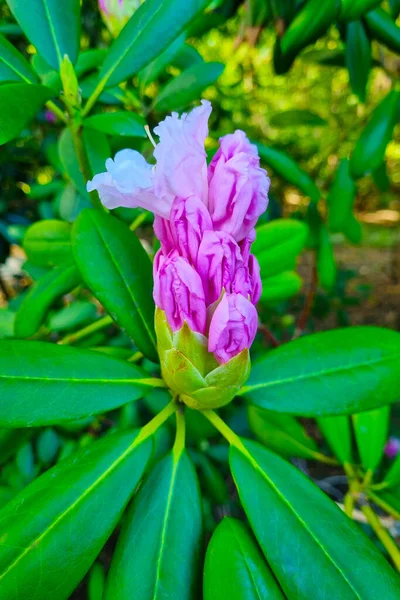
(83, 161)
(222, 427)
(57, 111)
(156, 423)
(309, 303)
(349, 504)
(135, 357)
(367, 478)
(138, 221)
(268, 335)
(327, 460)
(383, 535)
(85, 331)
(93, 98)
(383, 504)
(179, 444)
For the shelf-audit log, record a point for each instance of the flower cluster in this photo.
(204, 273)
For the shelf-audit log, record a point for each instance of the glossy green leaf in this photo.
(69, 161)
(282, 433)
(310, 23)
(313, 548)
(289, 170)
(69, 203)
(11, 440)
(54, 384)
(297, 118)
(117, 123)
(370, 148)
(371, 431)
(64, 517)
(15, 115)
(187, 86)
(382, 27)
(281, 287)
(394, 8)
(381, 178)
(352, 230)
(337, 433)
(212, 482)
(47, 446)
(155, 68)
(148, 32)
(326, 264)
(74, 315)
(97, 149)
(96, 582)
(53, 27)
(89, 60)
(110, 257)
(340, 199)
(234, 567)
(392, 477)
(42, 296)
(7, 319)
(13, 65)
(158, 551)
(47, 243)
(187, 57)
(358, 57)
(307, 376)
(278, 244)
(354, 9)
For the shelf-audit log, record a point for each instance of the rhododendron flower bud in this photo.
(179, 292)
(233, 327)
(238, 187)
(392, 448)
(206, 281)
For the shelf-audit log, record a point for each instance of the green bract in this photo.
(192, 372)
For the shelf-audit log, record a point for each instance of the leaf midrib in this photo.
(315, 374)
(285, 501)
(175, 465)
(70, 508)
(52, 30)
(248, 568)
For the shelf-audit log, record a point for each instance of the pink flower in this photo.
(181, 159)
(219, 262)
(392, 447)
(179, 292)
(233, 327)
(189, 220)
(238, 187)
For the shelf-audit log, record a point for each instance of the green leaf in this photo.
(53, 27)
(392, 477)
(64, 517)
(354, 9)
(7, 318)
(148, 32)
(370, 148)
(111, 258)
(11, 440)
(187, 57)
(55, 384)
(371, 431)
(282, 433)
(69, 161)
(289, 170)
(47, 446)
(13, 65)
(313, 548)
(381, 178)
(212, 482)
(382, 27)
(69, 203)
(96, 582)
(74, 315)
(158, 552)
(337, 433)
(234, 567)
(42, 296)
(47, 243)
(281, 287)
(278, 244)
(187, 86)
(117, 123)
(97, 149)
(154, 69)
(340, 199)
(19, 103)
(297, 118)
(358, 57)
(89, 60)
(307, 376)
